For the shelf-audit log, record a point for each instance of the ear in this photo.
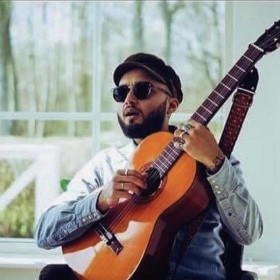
(172, 106)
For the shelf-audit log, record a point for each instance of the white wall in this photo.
(258, 146)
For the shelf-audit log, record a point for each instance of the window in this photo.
(56, 67)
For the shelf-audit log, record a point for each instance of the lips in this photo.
(130, 112)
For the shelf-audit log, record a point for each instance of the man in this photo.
(148, 92)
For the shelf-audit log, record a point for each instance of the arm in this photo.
(239, 212)
(73, 212)
(97, 187)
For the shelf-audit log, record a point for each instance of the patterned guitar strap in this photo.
(242, 101)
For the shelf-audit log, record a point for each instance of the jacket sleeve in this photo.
(239, 211)
(73, 212)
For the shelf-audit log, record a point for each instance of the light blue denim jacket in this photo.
(74, 211)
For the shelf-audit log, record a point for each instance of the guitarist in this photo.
(147, 93)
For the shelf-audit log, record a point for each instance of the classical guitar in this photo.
(134, 240)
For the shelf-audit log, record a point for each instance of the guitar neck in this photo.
(223, 90)
(212, 104)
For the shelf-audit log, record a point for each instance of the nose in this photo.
(130, 98)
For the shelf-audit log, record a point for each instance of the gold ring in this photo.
(122, 186)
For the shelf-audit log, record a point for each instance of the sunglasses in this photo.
(141, 91)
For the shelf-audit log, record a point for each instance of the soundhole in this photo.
(153, 183)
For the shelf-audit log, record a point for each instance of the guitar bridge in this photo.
(109, 238)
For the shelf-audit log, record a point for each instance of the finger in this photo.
(135, 177)
(129, 173)
(120, 195)
(130, 188)
(124, 172)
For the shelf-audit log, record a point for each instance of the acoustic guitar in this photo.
(135, 238)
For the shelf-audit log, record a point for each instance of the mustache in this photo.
(128, 110)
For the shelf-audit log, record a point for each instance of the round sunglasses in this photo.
(141, 91)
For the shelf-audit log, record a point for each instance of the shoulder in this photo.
(111, 158)
(115, 153)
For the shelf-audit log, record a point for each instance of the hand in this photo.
(124, 184)
(201, 144)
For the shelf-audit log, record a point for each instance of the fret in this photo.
(158, 165)
(216, 105)
(210, 107)
(167, 158)
(244, 64)
(248, 58)
(206, 109)
(240, 68)
(172, 150)
(219, 94)
(258, 48)
(225, 87)
(174, 154)
(229, 81)
(163, 160)
(160, 168)
(232, 77)
(202, 117)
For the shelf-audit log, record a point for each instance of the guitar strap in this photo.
(242, 101)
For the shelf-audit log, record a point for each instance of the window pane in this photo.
(50, 46)
(16, 215)
(32, 167)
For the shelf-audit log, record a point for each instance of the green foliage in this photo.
(17, 220)
(64, 183)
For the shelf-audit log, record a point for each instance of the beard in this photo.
(152, 123)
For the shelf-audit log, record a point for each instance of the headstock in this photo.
(270, 39)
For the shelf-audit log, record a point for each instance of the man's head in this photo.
(148, 91)
(155, 67)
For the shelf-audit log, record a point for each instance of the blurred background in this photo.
(56, 108)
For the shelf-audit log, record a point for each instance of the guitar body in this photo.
(146, 232)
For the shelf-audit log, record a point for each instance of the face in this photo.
(140, 118)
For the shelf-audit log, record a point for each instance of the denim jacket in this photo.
(74, 211)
